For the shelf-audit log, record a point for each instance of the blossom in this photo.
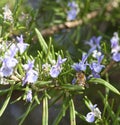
(56, 69)
(115, 47)
(21, 45)
(29, 65)
(7, 14)
(116, 57)
(96, 67)
(60, 60)
(29, 96)
(115, 43)
(81, 66)
(6, 71)
(11, 52)
(74, 10)
(31, 75)
(95, 112)
(8, 64)
(94, 43)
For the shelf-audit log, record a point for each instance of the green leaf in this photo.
(42, 83)
(2, 92)
(45, 111)
(6, 101)
(105, 83)
(72, 113)
(41, 41)
(72, 87)
(44, 46)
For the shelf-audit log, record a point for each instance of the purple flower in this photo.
(90, 117)
(96, 67)
(29, 66)
(81, 66)
(115, 43)
(72, 4)
(31, 75)
(71, 14)
(56, 69)
(116, 57)
(95, 112)
(29, 96)
(21, 45)
(60, 60)
(5, 71)
(11, 51)
(74, 10)
(94, 43)
(8, 64)
(115, 47)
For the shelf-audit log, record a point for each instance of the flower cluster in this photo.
(9, 61)
(95, 113)
(74, 10)
(95, 67)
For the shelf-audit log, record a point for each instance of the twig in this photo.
(67, 25)
(108, 67)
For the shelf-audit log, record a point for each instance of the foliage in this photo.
(61, 52)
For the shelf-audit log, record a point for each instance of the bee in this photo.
(81, 79)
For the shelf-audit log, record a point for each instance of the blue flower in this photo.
(72, 4)
(29, 65)
(115, 47)
(5, 71)
(116, 57)
(115, 43)
(8, 64)
(21, 45)
(74, 10)
(81, 66)
(31, 75)
(60, 60)
(71, 14)
(90, 117)
(94, 43)
(29, 96)
(95, 112)
(56, 69)
(11, 52)
(96, 67)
